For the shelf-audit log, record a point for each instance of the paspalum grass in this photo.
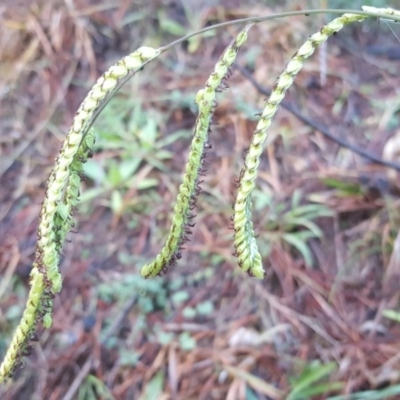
(61, 195)
(190, 188)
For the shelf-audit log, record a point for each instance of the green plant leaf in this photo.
(310, 376)
(345, 188)
(187, 342)
(170, 26)
(116, 201)
(310, 225)
(129, 167)
(205, 308)
(296, 241)
(392, 314)
(114, 176)
(189, 312)
(165, 338)
(154, 388)
(323, 388)
(296, 198)
(381, 394)
(180, 297)
(311, 211)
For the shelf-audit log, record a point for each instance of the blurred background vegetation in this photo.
(323, 324)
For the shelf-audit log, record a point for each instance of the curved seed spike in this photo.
(244, 241)
(52, 227)
(384, 11)
(205, 100)
(60, 199)
(26, 328)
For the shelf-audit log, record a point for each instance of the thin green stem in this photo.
(372, 14)
(395, 17)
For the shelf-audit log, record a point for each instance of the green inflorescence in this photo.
(60, 200)
(246, 248)
(188, 190)
(63, 184)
